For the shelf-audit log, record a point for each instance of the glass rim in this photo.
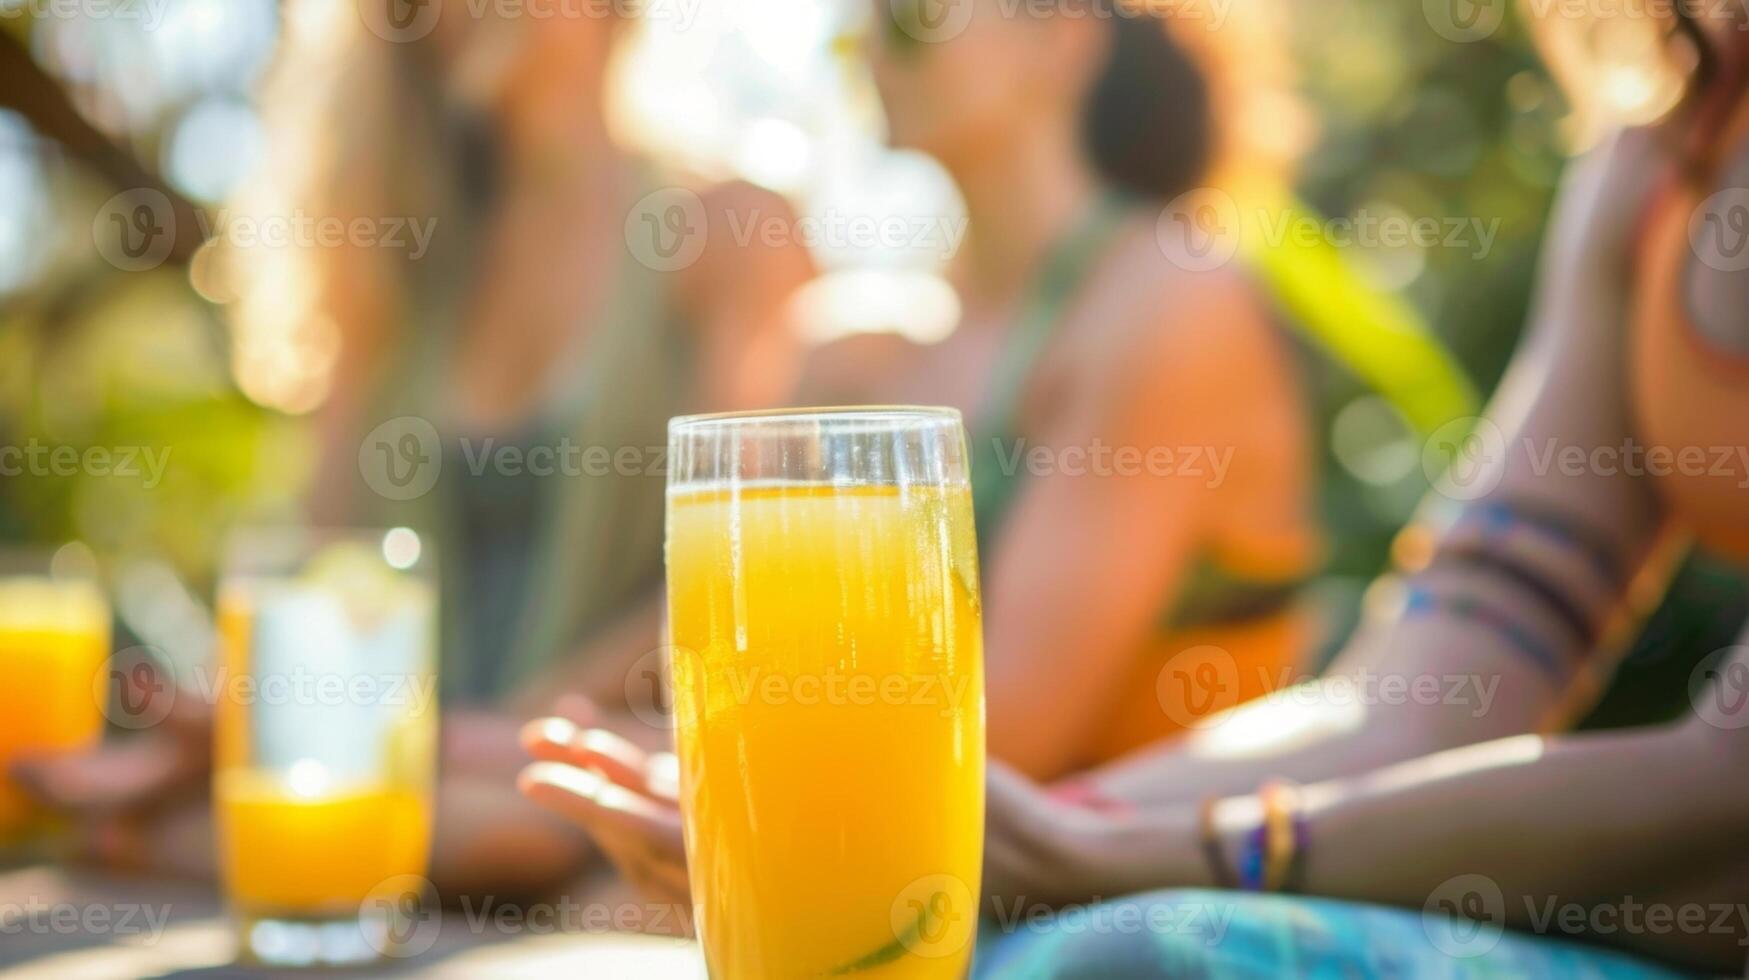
(836, 413)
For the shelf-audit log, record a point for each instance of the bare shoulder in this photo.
(1173, 324)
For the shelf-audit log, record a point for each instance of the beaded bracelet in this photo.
(1271, 854)
(1211, 845)
(1285, 844)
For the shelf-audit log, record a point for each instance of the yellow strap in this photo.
(1374, 334)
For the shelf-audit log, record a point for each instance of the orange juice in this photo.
(829, 703)
(293, 847)
(54, 638)
(325, 736)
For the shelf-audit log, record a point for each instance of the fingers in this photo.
(1012, 802)
(134, 772)
(558, 740)
(604, 807)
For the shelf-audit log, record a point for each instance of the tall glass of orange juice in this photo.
(325, 742)
(54, 639)
(827, 664)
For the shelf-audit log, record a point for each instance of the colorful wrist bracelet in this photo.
(1252, 863)
(1296, 871)
(1212, 851)
(1282, 820)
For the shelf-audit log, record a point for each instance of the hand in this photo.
(627, 798)
(133, 800)
(1038, 849)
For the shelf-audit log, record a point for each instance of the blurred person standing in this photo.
(494, 363)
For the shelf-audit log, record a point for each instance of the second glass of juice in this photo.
(828, 690)
(325, 742)
(54, 640)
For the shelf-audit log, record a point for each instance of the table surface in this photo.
(44, 932)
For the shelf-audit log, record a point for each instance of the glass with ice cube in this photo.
(326, 743)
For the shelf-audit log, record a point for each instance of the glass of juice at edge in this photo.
(325, 743)
(54, 642)
(826, 657)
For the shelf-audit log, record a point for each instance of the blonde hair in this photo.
(326, 104)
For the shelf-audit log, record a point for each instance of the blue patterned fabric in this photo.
(1218, 935)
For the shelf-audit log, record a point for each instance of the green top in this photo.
(532, 563)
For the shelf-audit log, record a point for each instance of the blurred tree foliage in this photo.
(104, 371)
(1412, 125)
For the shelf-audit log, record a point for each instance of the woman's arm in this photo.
(1506, 830)
(1579, 820)
(1529, 579)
